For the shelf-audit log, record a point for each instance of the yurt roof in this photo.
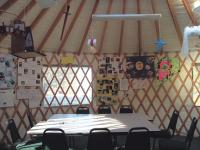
(113, 36)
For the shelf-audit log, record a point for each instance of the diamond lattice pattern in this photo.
(67, 87)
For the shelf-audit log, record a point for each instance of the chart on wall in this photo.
(7, 71)
(140, 67)
(110, 65)
(29, 72)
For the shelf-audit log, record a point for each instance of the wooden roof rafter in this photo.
(175, 20)
(156, 22)
(104, 28)
(53, 25)
(139, 29)
(88, 26)
(38, 18)
(189, 11)
(71, 26)
(122, 29)
(7, 5)
(29, 6)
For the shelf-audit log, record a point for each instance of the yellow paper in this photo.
(67, 60)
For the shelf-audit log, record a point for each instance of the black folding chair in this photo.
(179, 143)
(82, 110)
(126, 109)
(120, 140)
(169, 132)
(138, 139)
(13, 131)
(104, 109)
(54, 139)
(100, 139)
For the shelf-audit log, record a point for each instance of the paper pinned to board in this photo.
(124, 84)
(22, 93)
(67, 60)
(7, 98)
(34, 96)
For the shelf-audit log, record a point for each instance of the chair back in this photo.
(104, 109)
(54, 139)
(30, 119)
(138, 139)
(126, 109)
(172, 123)
(13, 131)
(100, 139)
(82, 110)
(190, 133)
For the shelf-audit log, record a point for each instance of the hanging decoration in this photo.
(160, 44)
(22, 44)
(166, 68)
(65, 21)
(92, 44)
(17, 27)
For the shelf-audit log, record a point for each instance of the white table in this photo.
(83, 123)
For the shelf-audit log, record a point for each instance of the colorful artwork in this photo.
(140, 67)
(166, 68)
(107, 89)
(7, 71)
(110, 65)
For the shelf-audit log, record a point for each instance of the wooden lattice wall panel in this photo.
(156, 101)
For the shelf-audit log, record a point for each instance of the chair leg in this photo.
(154, 144)
(115, 140)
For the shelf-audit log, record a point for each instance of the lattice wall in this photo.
(156, 101)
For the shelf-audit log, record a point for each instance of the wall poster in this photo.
(8, 71)
(167, 68)
(140, 67)
(29, 72)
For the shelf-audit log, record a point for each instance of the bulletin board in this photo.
(110, 65)
(107, 89)
(29, 72)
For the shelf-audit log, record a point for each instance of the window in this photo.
(67, 85)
